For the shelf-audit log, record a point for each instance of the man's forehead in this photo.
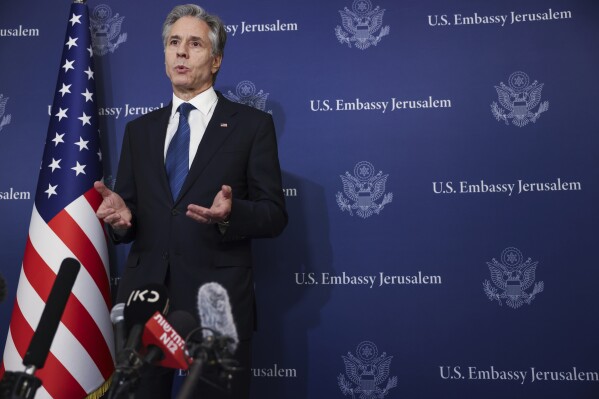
(189, 26)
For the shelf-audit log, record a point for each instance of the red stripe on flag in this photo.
(56, 378)
(75, 317)
(95, 199)
(75, 238)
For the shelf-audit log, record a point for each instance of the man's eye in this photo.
(174, 42)
(195, 44)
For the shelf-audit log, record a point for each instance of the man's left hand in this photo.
(219, 211)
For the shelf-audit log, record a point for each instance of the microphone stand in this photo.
(210, 351)
(19, 384)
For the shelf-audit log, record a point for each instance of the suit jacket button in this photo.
(175, 212)
(165, 255)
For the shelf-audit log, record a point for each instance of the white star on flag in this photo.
(68, 65)
(51, 190)
(58, 139)
(72, 42)
(75, 19)
(82, 144)
(62, 113)
(78, 169)
(87, 95)
(65, 89)
(89, 73)
(85, 119)
(55, 164)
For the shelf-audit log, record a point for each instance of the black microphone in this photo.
(3, 289)
(141, 304)
(218, 342)
(117, 317)
(23, 385)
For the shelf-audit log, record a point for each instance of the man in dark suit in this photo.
(193, 227)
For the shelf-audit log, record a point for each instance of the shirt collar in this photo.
(204, 102)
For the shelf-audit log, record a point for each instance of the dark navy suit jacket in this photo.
(238, 149)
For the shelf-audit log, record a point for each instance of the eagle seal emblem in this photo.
(363, 188)
(365, 372)
(519, 99)
(360, 25)
(245, 93)
(4, 119)
(513, 277)
(105, 29)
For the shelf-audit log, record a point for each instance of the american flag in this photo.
(64, 224)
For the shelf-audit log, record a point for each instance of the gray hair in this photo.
(217, 34)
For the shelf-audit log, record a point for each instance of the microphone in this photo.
(3, 289)
(163, 339)
(117, 317)
(141, 304)
(25, 384)
(215, 314)
(219, 338)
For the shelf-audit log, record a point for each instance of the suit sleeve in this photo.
(263, 213)
(125, 187)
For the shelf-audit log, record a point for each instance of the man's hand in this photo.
(218, 212)
(112, 210)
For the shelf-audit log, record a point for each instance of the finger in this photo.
(227, 191)
(102, 189)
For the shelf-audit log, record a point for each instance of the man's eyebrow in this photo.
(191, 38)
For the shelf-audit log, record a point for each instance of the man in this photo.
(230, 190)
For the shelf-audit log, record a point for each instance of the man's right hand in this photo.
(112, 210)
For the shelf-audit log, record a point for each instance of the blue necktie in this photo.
(177, 155)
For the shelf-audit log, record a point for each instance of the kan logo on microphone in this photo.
(512, 276)
(143, 296)
(366, 372)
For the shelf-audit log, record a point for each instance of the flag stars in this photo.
(99, 153)
(58, 139)
(75, 19)
(82, 144)
(68, 65)
(85, 120)
(55, 164)
(87, 95)
(72, 42)
(51, 190)
(65, 89)
(91, 52)
(62, 113)
(78, 169)
(90, 73)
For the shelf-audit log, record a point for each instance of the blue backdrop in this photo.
(440, 169)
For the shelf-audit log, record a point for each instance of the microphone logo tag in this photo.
(143, 296)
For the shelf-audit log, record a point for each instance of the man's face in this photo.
(188, 57)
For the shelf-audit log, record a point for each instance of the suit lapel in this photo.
(156, 138)
(218, 130)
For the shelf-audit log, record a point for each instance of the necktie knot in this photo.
(184, 109)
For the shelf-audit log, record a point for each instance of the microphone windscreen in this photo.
(39, 347)
(143, 302)
(117, 314)
(215, 313)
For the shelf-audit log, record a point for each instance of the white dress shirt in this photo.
(198, 119)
